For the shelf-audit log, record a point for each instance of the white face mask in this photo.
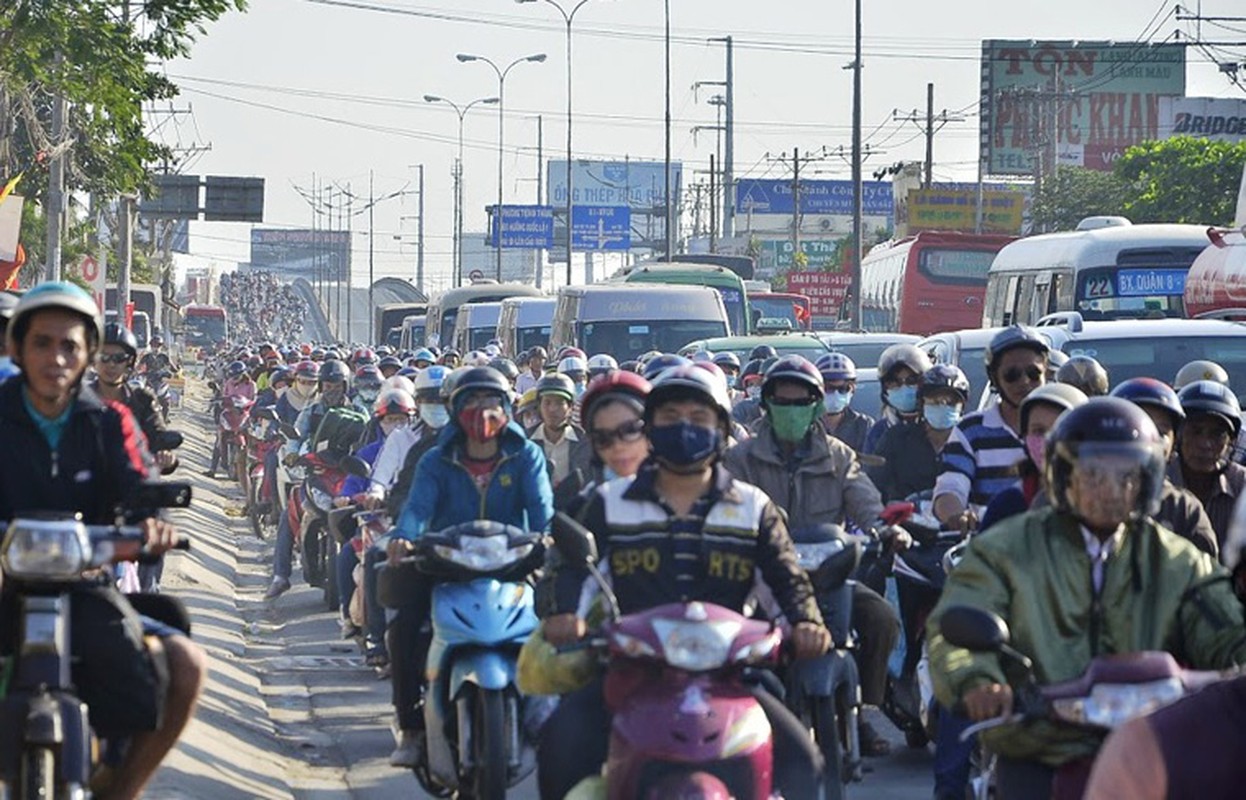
(390, 427)
(434, 415)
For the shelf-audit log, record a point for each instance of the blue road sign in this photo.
(601, 227)
(523, 227)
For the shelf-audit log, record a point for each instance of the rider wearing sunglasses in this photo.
(113, 366)
(614, 405)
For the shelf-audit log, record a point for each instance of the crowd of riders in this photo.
(261, 306)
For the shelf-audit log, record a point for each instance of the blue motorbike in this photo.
(482, 613)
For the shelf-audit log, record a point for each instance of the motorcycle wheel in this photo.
(38, 774)
(489, 781)
(328, 568)
(825, 724)
(257, 516)
(311, 556)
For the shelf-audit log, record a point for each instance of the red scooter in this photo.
(685, 720)
(232, 432)
(308, 517)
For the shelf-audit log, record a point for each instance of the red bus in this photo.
(204, 325)
(930, 282)
(794, 308)
(1216, 283)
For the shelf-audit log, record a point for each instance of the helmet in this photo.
(492, 350)
(476, 379)
(836, 367)
(1151, 392)
(537, 352)
(305, 348)
(390, 361)
(427, 385)
(1055, 360)
(156, 340)
(410, 372)
(448, 355)
(686, 382)
(369, 375)
(762, 351)
(255, 362)
(645, 358)
(600, 364)
(570, 351)
(317, 354)
(701, 355)
(1210, 397)
(506, 367)
(793, 368)
(556, 384)
(334, 371)
(384, 350)
(424, 354)
(1086, 374)
(573, 365)
(280, 375)
(8, 302)
(662, 362)
(291, 356)
(902, 355)
(944, 376)
(1064, 396)
(118, 334)
(1011, 338)
(750, 374)
(236, 369)
(631, 365)
(725, 360)
(476, 358)
(399, 382)
(55, 294)
(627, 387)
(267, 347)
(394, 401)
(332, 354)
(307, 370)
(1105, 427)
(528, 400)
(1200, 371)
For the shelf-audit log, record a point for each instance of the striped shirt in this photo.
(979, 460)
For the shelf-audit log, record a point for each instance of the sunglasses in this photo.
(627, 432)
(114, 358)
(895, 383)
(792, 401)
(1014, 374)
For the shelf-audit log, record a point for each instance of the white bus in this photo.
(628, 320)
(525, 323)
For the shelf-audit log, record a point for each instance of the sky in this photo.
(334, 88)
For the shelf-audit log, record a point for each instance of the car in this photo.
(864, 348)
(965, 349)
(801, 344)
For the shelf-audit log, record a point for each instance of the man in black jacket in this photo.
(113, 367)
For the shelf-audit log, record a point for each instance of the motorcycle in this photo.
(1112, 690)
(47, 748)
(308, 510)
(685, 720)
(482, 613)
(232, 431)
(262, 439)
(158, 383)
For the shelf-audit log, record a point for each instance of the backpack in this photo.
(339, 431)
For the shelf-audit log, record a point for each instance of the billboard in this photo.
(1100, 97)
(1217, 118)
(301, 252)
(639, 186)
(941, 209)
(816, 197)
(525, 227)
(826, 290)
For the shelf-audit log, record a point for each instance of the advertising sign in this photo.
(957, 210)
(1102, 97)
(826, 290)
(816, 197)
(92, 274)
(526, 227)
(601, 227)
(635, 184)
(1217, 118)
(778, 255)
(301, 252)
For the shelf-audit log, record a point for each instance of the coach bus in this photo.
(727, 282)
(525, 323)
(444, 310)
(628, 321)
(204, 325)
(926, 283)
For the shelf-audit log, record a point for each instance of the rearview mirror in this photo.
(354, 465)
(974, 629)
(575, 543)
(167, 440)
(160, 494)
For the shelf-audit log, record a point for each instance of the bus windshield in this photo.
(733, 301)
(1124, 292)
(628, 339)
(528, 338)
(1162, 356)
(203, 330)
(477, 338)
(779, 307)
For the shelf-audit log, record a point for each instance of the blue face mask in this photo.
(941, 418)
(682, 447)
(607, 473)
(903, 399)
(836, 401)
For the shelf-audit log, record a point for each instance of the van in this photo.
(411, 334)
(729, 285)
(627, 320)
(476, 326)
(443, 310)
(525, 323)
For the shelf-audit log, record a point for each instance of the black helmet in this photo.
(796, 369)
(659, 364)
(536, 352)
(506, 367)
(1011, 338)
(944, 376)
(1210, 397)
(556, 383)
(763, 351)
(631, 365)
(333, 370)
(390, 361)
(725, 360)
(751, 369)
(1106, 428)
(1086, 374)
(1154, 393)
(902, 355)
(118, 334)
(475, 379)
(686, 382)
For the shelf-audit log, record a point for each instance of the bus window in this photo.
(1010, 300)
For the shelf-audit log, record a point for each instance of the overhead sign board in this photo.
(302, 252)
(229, 199)
(523, 227)
(172, 197)
(957, 210)
(826, 290)
(767, 196)
(601, 227)
(638, 185)
(1220, 119)
(1103, 97)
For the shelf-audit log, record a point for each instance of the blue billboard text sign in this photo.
(816, 197)
(601, 227)
(523, 227)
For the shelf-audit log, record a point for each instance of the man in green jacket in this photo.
(1092, 575)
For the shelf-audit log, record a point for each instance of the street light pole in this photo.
(501, 73)
(670, 230)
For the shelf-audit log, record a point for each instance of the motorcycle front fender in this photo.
(55, 721)
(487, 669)
(822, 676)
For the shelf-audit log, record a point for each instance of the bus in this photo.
(729, 284)
(443, 310)
(411, 335)
(203, 325)
(146, 297)
(525, 323)
(475, 326)
(926, 283)
(627, 321)
(389, 317)
(795, 308)
(1216, 285)
(1107, 269)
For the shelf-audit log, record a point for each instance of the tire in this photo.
(38, 776)
(328, 567)
(489, 781)
(311, 556)
(825, 724)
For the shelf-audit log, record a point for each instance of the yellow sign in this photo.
(957, 210)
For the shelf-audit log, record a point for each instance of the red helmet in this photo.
(394, 401)
(617, 385)
(363, 356)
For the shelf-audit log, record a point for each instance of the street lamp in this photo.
(568, 17)
(458, 177)
(501, 73)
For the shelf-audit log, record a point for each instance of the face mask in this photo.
(790, 423)
(481, 426)
(683, 447)
(434, 415)
(903, 399)
(941, 418)
(390, 427)
(333, 397)
(579, 390)
(368, 394)
(835, 401)
(1034, 445)
(280, 391)
(608, 473)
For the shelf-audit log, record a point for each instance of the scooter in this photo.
(262, 439)
(696, 730)
(158, 382)
(482, 613)
(232, 427)
(47, 749)
(1111, 691)
(309, 509)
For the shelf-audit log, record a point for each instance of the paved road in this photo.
(290, 709)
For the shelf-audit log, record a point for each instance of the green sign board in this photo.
(778, 255)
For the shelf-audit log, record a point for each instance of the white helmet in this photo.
(572, 365)
(476, 358)
(428, 383)
(399, 382)
(601, 364)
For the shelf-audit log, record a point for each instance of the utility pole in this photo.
(538, 257)
(371, 264)
(56, 183)
(795, 201)
(713, 205)
(728, 159)
(126, 223)
(930, 124)
(858, 226)
(929, 134)
(670, 206)
(419, 258)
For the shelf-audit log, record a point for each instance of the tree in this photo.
(1182, 179)
(1075, 193)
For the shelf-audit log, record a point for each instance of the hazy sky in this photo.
(294, 87)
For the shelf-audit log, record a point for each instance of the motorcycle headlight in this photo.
(320, 498)
(632, 646)
(45, 549)
(1112, 704)
(696, 646)
(811, 555)
(483, 553)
